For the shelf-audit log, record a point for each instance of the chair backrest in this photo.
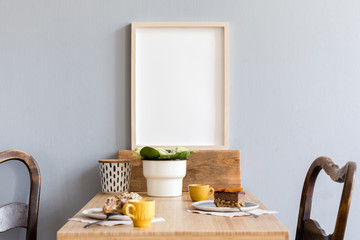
(22, 215)
(310, 229)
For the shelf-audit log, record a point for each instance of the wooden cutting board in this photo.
(218, 168)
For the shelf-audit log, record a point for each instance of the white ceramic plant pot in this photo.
(164, 177)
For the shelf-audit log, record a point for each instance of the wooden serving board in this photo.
(218, 168)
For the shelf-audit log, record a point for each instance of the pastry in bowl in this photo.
(116, 203)
(224, 197)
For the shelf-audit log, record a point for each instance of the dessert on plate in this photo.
(224, 197)
(116, 203)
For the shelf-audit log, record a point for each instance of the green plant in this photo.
(150, 153)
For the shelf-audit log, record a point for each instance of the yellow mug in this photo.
(200, 192)
(141, 211)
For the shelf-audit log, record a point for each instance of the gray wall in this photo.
(294, 95)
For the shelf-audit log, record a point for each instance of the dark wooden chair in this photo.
(22, 215)
(309, 229)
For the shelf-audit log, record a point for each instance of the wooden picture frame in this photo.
(180, 85)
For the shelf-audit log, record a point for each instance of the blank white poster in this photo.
(179, 86)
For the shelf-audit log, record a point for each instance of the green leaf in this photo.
(149, 153)
(175, 155)
(183, 155)
(163, 152)
(181, 149)
(136, 152)
(169, 156)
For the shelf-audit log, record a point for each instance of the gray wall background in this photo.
(294, 95)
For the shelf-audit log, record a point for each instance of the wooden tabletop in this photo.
(180, 224)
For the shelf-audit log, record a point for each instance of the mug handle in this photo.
(126, 209)
(211, 191)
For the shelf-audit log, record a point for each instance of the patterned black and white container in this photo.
(115, 175)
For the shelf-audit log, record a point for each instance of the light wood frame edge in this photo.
(133, 84)
(225, 26)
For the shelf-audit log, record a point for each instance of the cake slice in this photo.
(224, 197)
(116, 203)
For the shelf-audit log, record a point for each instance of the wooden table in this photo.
(180, 224)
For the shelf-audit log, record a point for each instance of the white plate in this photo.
(98, 214)
(210, 206)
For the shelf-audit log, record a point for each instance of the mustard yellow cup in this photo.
(141, 211)
(200, 192)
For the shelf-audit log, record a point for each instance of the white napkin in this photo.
(110, 222)
(257, 211)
